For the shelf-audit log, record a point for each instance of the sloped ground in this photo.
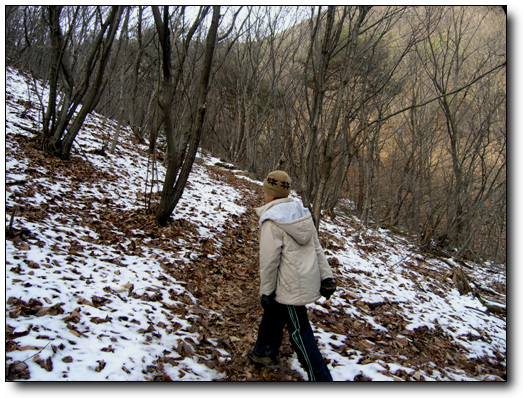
(97, 291)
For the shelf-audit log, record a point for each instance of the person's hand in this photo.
(328, 286)
(267, 301)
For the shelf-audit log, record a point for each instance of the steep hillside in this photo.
(95, 290)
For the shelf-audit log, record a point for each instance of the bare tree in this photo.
(451, 60)
(182, 152)
(66, 113)
(26, 37)
(350, 77)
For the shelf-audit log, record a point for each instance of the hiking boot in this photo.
(263, 361)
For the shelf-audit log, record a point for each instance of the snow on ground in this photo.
(118, 348)
(392, 273)
(108, 324)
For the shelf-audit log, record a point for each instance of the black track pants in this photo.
(270, 336)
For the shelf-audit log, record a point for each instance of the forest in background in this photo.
(397, 114)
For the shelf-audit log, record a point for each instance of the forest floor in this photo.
(96, 290)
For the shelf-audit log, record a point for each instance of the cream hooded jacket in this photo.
(292, 262)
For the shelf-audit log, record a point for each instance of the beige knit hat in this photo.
(277, 184)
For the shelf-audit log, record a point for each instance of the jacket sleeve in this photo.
(323, 264)
(271, 243)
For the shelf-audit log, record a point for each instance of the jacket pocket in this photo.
(283, 283)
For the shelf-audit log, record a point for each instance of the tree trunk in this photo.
(57, 51)
(172, 194)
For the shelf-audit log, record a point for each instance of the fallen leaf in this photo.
(29, 347)
(101, 366)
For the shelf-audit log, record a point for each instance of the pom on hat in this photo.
(277, 184)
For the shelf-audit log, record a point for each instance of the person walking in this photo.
(294, 272)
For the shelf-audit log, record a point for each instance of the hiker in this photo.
(293, 272)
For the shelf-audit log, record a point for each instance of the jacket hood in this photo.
(291, 216)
